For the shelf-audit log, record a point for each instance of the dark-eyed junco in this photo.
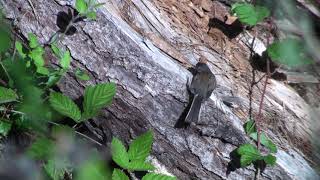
(202, 85)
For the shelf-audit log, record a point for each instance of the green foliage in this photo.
(81, 6)
(53, 170)
(19, 48)
(93, 169)
(42, 148)
(96, 97)
(264, 140)
(249, 14)
(82, 75)
(250, 127)
(136, 158)
(7, 95)
(140, 148)
(119, 175)
(33, 41)
(154, 176)
(270, 159)
(65, 60)
(249, 154)
(290, 52)
(65, 106)
(119, 153)
(88, 8)
(5, 127)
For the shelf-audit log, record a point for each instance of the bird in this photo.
(202, 85)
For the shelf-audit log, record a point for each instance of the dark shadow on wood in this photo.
(231, 31)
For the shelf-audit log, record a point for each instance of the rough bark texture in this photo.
(145, 46)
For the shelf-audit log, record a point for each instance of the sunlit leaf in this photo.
(7, 95)
(33, 40)
(5, 127)
(119, 153)
(264, 140)
(119, 175)
(249, 154)
(82, 75)
(154, 176)
(140, 147)
(65, 106)
(81, 6)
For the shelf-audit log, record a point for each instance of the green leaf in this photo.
(42, 148)
(154, 176)
(82, 75)
(140, 148)
(290, 52)
(249, 14)
(92, 15)
(43, 70)
(5, 41)
(249, 154)
(5, 127)
(250, 127)
(53, 170)
(119, 175)
(7, 95)
(53, 79)
(270, 159)
(140, 165)
(65, 106)
(264, 140)
(119, 153)
(93, 169)
(56, 50)
(81, 6)
(97, 97)
(65, 60)
(33, 40)
(37, 56)
(19, 48)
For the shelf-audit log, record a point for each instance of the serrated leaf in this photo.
(140, 148)
(119, 153)
(5, 127)
(82, 75)
(97, 97)
(290, 52)
(33, 40)
(65, 106)
(42, 148)
(19, 48)
(65, 60)
(81, 6)
(249, 14)
(264, 140)
(250, 127)
(119, 175)
(7, 95)
(154, 176)
(249, 154)
(270, 159)
(92, 15)
(140, 165)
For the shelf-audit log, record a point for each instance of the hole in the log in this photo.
(234, 164)
(231, 31)
(64, 19)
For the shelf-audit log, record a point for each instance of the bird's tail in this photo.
(193, 114)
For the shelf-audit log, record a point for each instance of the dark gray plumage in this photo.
(202, 85)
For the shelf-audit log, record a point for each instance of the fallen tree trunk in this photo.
(145, 51)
